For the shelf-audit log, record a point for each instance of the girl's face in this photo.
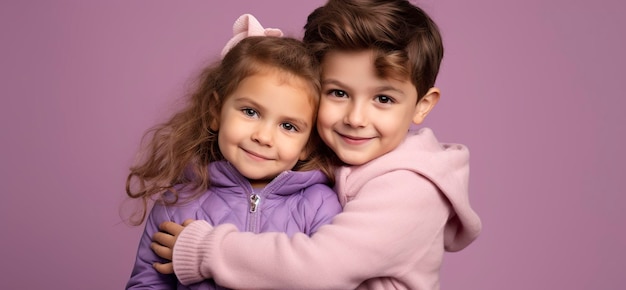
(265, 124)
(361, 115)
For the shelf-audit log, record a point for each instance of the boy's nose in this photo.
(356, 116)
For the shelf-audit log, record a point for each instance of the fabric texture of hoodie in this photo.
(293, 202)
(401, 212)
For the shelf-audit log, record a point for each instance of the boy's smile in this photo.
(363, 116)
(354, 140)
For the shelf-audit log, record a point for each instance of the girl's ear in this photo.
(215, 123)
(306, 152)
(425, 105)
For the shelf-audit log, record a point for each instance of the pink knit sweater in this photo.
(401, 211)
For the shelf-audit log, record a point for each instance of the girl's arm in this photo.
(390, 225)
(144, 276)
(319, 207)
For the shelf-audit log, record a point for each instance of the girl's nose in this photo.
(263, 134)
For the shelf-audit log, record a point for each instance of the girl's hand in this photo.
(163, 244)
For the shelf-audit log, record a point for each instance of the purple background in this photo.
(534, 88)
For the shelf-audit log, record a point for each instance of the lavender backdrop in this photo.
(534, 88)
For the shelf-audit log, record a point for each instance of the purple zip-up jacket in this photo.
(295, 201)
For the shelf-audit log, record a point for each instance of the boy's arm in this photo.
(379, 233)
(144, 276)
(320, 207)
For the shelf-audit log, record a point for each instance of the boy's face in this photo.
(265, 124)
(361, 115)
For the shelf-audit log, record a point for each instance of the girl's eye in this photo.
(338, 93)
(249, 112)
(289, 127)
(384, 99)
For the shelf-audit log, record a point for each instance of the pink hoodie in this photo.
(401, 211)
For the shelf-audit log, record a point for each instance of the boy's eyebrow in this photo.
(383, 88)
(335, 82)
(302, 124)
(389, 88)
(332, 82)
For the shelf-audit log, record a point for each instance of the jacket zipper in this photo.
(254, 200)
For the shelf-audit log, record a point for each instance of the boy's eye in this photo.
(249, 112)
(384, 99)
(338, 93)
(289, 127)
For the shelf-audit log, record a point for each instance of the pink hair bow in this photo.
(246, 25)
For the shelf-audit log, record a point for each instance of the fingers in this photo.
(161, 251)
(187, 222)
(170, 227)
(167, 268)
(164, 239)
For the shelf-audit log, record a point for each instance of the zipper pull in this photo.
(254, 202)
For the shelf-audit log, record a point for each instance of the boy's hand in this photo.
(163, 244)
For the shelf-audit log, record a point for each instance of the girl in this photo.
(244, 151)
(405, 196)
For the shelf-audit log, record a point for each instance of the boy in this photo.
(405, 196)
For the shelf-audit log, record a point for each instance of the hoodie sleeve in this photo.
(381, 232)
(144, 276)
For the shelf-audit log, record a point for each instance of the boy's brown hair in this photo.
(406, 41)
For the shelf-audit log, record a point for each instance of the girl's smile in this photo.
(256, 156)
(265, 124)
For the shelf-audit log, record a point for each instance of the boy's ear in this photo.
(426, 104)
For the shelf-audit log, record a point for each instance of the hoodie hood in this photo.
(224, 176)
(445, 165)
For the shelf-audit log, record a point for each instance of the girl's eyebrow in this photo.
(301, 124)
(243, 100)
